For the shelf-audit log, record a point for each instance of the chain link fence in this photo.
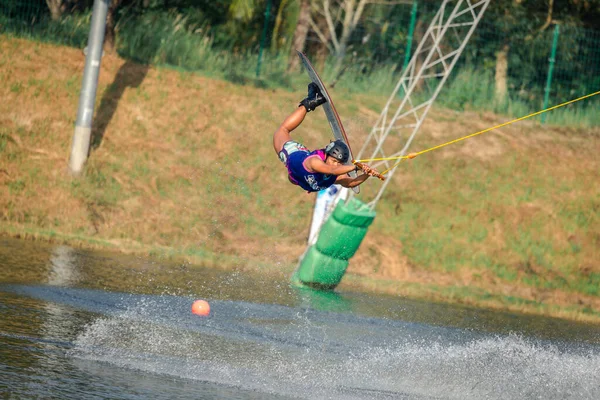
(557, 64)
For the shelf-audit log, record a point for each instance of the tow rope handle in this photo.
(362, 166)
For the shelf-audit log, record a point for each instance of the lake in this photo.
(88, 324)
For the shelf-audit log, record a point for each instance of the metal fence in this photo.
(555, 65)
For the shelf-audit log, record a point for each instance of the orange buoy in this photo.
(201, 307)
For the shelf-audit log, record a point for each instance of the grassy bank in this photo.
(182, 166)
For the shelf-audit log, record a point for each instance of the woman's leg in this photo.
(282, 134)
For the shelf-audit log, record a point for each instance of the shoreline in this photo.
(449, 295)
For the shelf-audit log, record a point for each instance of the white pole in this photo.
(80, 146)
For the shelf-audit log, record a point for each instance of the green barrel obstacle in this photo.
(325, 262)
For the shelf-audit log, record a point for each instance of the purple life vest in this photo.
(309, 181)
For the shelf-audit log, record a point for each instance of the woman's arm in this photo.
(315, 164)
(348, 182)
(341, 171)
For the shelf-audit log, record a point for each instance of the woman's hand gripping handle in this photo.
(368, 170)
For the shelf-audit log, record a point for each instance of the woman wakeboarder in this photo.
(319, 169)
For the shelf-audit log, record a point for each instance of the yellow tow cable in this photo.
(413, 155)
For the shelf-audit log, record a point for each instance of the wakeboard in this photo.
(330, 112)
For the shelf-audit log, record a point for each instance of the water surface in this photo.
(82, 324)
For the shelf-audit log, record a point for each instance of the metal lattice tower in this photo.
(326, 258)
(405, 111)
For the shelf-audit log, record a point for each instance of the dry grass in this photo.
(182, 165)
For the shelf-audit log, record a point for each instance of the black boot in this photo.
(314, 99)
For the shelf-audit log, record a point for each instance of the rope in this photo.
(413, 155)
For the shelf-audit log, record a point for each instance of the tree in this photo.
(111, 23)
(57, 8)
(346, 13)
(278, 22)
(341, 19)
(243, 9)
(300, 33)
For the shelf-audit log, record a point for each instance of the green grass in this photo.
(449, 227)
(71, 30)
